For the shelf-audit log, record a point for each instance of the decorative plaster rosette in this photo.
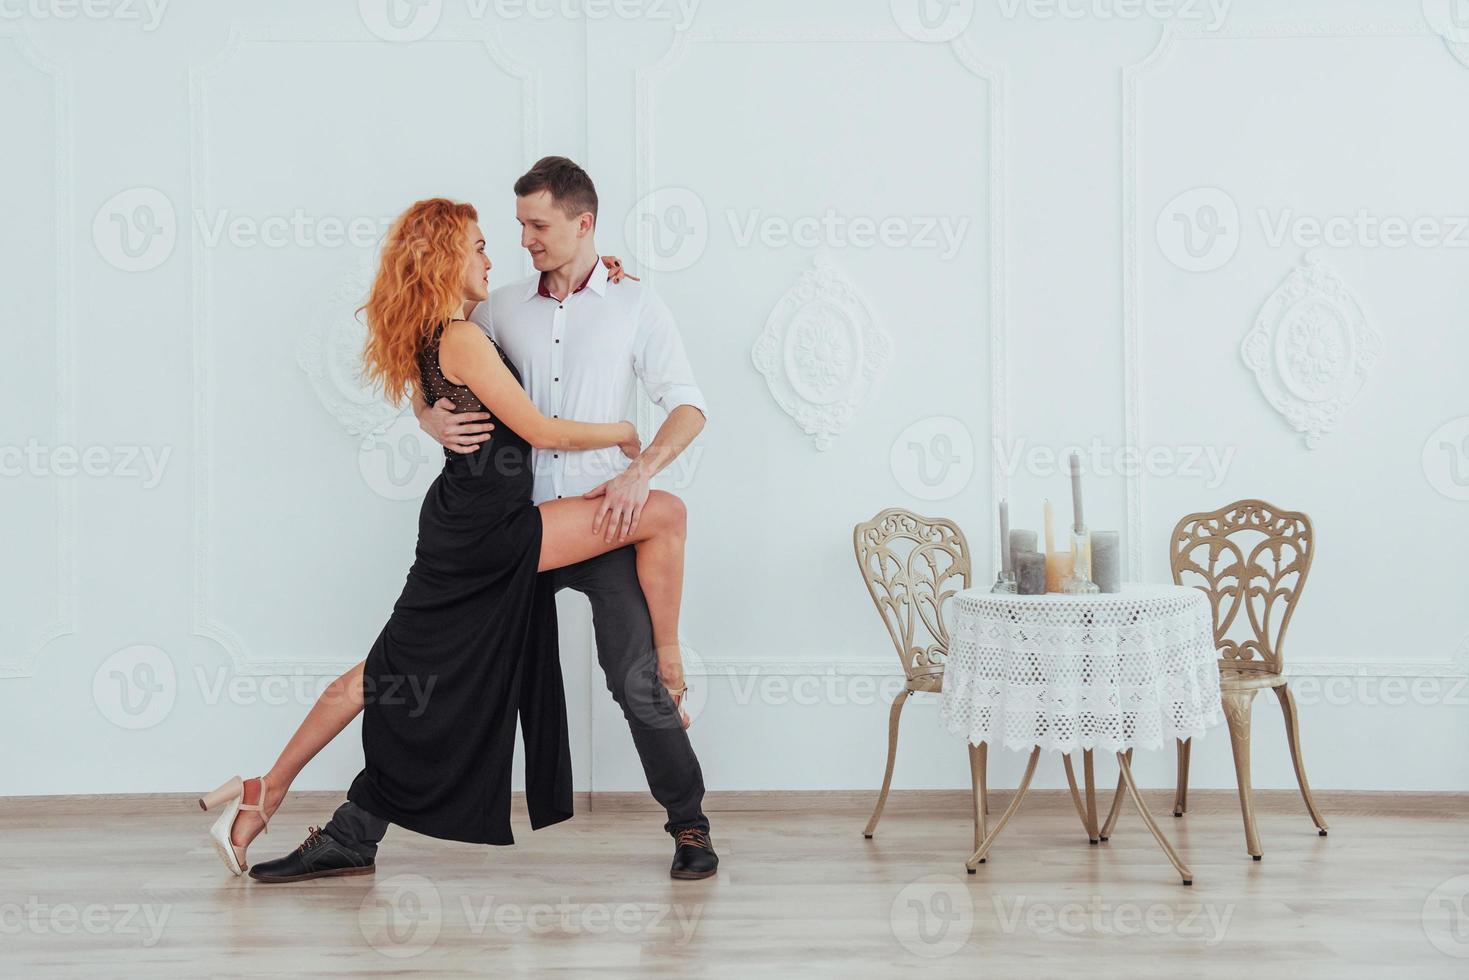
(1311, 349)
(330, 352)
(821, 351)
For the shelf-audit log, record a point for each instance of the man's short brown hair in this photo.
(569, 185)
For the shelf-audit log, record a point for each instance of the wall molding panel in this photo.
(61, 618)
(1326, 286)
(320, 350)
(649, 78)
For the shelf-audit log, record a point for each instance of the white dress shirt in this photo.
(578, 359)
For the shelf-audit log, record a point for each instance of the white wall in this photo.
(1030, 289)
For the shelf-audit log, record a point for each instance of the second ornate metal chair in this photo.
(912, 566)
(1252, 557)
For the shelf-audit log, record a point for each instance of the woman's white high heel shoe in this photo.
(232, 796)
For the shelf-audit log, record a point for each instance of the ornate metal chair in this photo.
(1252, 556)
(912, 566)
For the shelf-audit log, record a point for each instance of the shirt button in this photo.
(558, 340)
(555, 379)
(555, 455)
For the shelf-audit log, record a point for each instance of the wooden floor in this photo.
(130, 886)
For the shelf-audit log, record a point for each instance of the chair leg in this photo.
(1237, 712)
(887, 779)
(1293, 736)
(978, 762)
(1180, 794)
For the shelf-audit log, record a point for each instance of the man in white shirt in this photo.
(581, 343)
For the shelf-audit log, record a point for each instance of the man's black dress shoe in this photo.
(319, 857)
(695, 857)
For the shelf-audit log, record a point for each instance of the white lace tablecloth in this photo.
(1134, 669)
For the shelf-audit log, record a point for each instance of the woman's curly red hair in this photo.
(419, 285)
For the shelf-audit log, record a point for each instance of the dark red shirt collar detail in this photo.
(541, 289)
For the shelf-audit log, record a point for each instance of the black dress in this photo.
(471, 644)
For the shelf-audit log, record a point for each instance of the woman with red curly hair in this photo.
(471, 643)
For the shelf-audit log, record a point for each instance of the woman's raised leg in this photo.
(567, 538)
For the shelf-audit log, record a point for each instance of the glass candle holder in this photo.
(1080, 582)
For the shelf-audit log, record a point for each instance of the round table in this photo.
(1119, 671)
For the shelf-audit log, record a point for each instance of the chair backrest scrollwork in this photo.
(1252, 556)
(912, 566)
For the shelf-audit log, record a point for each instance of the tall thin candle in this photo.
(1050, 538)
(1005, 536)
(1079, 523)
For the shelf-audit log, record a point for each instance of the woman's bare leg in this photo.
(337, 706)
(567, 538)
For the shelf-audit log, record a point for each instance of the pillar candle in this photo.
(1005, 560)
(1020, 540)
(1030, 573)
(1050, 539)
(1058, 569)
(1079, 523)
(1107, 560)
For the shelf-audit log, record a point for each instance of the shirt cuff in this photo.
(678, 395)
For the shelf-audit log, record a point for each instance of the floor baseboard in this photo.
(919, 801)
